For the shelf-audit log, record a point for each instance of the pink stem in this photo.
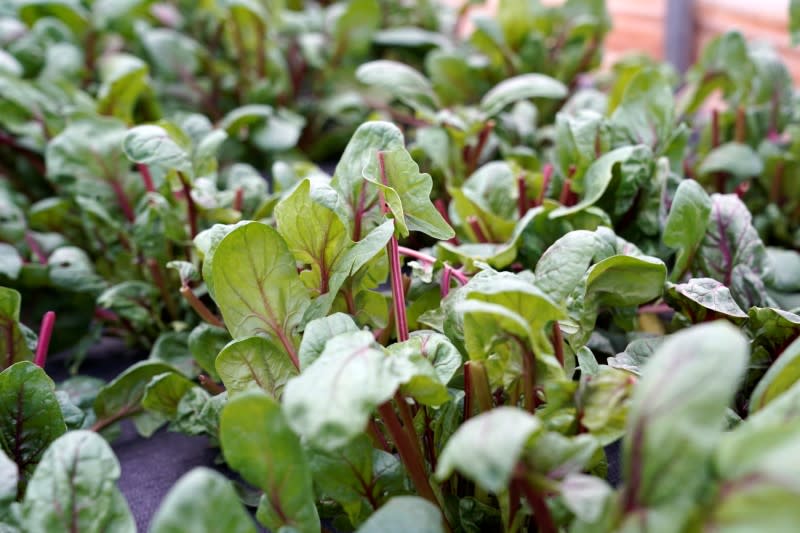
(446, 282)
(146, 177)
(45, 332)
(393, 248)
(425, 258)
(475, 224)
(238, 200)
(460, 276)
(35, 248)
(547, 176)
(442, 208)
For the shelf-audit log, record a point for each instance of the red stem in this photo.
(45, 332)
(715, 128)
(547, 176)
(158, 280)
(200, 308)
(541, 513)
(566, 193)
(445, 282)
(475, 153)
(522, 200)
(558, 343)
(238, 200)
(191, 208)
(147, 178)
(442, 208)
(475, 225)
(122, 200)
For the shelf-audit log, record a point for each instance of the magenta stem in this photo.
(393, 248)
(45, 332)
(146, 177)
(425, 258)
(446, 282)
(35, 248)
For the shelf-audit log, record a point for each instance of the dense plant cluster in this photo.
(406, 280)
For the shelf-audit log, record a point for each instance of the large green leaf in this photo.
(13, 347)
(487, 447)
(30, 417)
(733, 158)
(677, 413)
(254, 362)
(521, 87)
(203, 501)
(256, 285)
(686, 223)
(408, 194)
(74, 488)
(259, 444)
(564, 263)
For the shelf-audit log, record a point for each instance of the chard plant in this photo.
(526, 264)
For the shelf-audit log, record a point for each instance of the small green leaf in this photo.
(686, 223)
(153, 146)
(205, 342)
(30, 417)
(521, 87)
(487, 447)
(259, 444)
(783, 373)
(164, 392)
(123, 80)
(74, 488)
(704, 299)
(733, 158)
(405, 513)
(318, 332)
(218, 508)
(400, 81)
(254, 362)
(408, 194)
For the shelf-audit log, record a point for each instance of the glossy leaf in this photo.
(521, 87)
(686, 223)
(254, 362)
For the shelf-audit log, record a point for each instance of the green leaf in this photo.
(599, 176)
(259, 444)
(521, 87)
(164, 392)
(318, 332)
(704, 299)
(206, 243)
(564, 263)
(772, 329)
(405, 513)
(733, 158)
(357, 477)
(314, 234)
(356, 26)
(254, 362)
(69, 12)
(8, 488)
(331, 401)
(401, 81)
(153, 146)
(487, 194)
(205, 342)
(783, 373)
(256, 285)
(486, 448)
(218, 509)
(122, 397)
(730, 241)
(686, 223)
(419, 377)
(677, 412)
(123, 80)
(794, 21)
(30, 417)
(13, 347)
(10, 261)
(408, 194)
(604, 400)
(646, 114)
(74, 488)
(89, 148)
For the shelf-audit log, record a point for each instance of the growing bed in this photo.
(335, 266)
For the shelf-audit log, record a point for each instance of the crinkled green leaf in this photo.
(254, 362)
(703, 299)
(407, 194)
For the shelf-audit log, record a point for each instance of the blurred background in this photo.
(675, 30)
